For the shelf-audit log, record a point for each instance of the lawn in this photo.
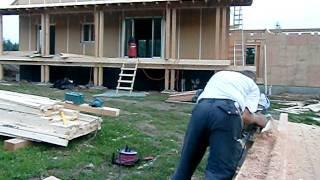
(149, 125)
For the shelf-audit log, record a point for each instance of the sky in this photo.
(261, 15)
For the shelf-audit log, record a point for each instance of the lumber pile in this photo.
(42, 119)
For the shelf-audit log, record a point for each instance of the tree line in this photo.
(10, 46)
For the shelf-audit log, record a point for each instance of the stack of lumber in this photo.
(42, 119)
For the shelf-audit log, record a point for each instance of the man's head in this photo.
(249, 74)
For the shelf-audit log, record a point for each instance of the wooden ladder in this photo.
(127, 77)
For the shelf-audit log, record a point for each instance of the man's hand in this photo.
(254, 118)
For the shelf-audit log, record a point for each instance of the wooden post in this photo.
(1, 72)
(1, 35)
(96, 33)
(43, 69)
(46, 74)
(101, 32)
(173, 79)
(224, 34)
(47, 34)
(100, 82)
(42, 35)
(166, 80)
(168, 28)
(95, 76)
(174, 33)
(217, 35)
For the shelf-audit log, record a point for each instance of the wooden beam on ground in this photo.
(103, 111)
(172, 79)
(15, 144)
(217, 34)
(1, 35)
(101, 33)
(166, 80)
(174, 34)
(168, 28)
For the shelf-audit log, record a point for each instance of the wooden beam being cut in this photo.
(103, 111)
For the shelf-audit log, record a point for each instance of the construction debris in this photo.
(300, 107)
(42, 119)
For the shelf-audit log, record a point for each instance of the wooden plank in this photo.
(217, 34)
(47, 34)
(101, 33)
(33, 135)
(174, 34)
(166, 80)
(96, 33)
(100, 82)
(103, 111)
(43, 39)
(224, 34)
(15, 144)
(1, 35)
(168, 28)
(173, 79)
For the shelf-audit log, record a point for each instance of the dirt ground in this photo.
(294, 157)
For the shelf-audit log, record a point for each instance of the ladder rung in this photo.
(129, 69)
(125, 81)
(124, 88)
(127, 75)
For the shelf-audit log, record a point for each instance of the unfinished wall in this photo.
(197, 30)
(112, 34)
(28, 33)
(292, 58)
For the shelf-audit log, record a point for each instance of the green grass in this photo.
(149, 125)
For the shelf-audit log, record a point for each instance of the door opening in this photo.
(52, 39)
(147, 33)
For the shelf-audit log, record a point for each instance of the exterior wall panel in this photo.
(208, 32)
(189, 34)
(24, 33)
(111, 34)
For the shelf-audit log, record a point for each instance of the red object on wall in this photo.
(132, 49)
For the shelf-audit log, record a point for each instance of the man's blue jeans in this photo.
(217, 124)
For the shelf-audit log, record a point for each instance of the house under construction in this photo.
(173, 38)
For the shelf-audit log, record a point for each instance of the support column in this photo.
(101, 32)
(42, 35)
(1, 72)
(95, 76)
(217, 34)
(46, 74)
(47, 34)
(174, 34)
(173, 79)
(168, 28)
(100, 82)
(166, 80)
(96, 33)
(1, 35)
(224, 34)
(43, 74)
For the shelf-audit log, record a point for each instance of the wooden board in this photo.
(103, 111)
(15, 144)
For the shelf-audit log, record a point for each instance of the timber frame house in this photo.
(171, 35)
